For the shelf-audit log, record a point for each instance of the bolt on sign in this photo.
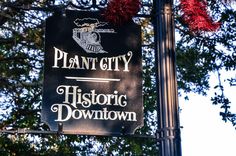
(92, 75)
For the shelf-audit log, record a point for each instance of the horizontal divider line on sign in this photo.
(91, 79)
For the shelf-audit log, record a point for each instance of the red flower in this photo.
(196, 16)
(121, 11)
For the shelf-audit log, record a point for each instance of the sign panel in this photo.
(92, 75)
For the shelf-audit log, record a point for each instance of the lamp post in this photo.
(168, 112)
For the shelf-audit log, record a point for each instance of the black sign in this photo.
(92, 75)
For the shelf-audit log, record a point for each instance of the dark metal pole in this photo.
(168, 112)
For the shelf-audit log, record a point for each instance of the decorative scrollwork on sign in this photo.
(102, 2)
(88, 4)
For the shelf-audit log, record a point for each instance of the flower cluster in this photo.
(120, 11)
(196, 16)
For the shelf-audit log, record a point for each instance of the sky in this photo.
(204, 133)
